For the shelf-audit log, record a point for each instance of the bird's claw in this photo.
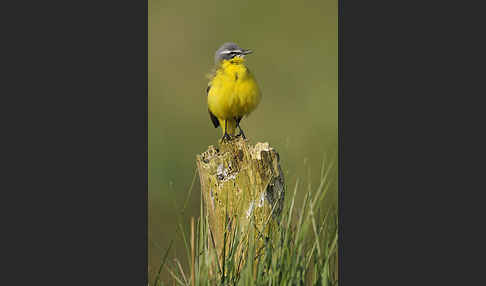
(226, 137)
(241, 134)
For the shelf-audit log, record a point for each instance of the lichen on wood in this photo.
(241, 183)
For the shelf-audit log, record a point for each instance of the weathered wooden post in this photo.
(240, 183)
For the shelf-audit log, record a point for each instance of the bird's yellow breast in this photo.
(234, 91)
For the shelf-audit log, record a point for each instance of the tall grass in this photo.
(300, 250)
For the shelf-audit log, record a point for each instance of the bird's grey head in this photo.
(228, 51)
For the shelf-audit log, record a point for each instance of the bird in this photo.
(232, 90)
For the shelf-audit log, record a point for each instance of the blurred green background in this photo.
(295, 63)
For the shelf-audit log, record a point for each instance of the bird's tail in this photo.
(231, 128)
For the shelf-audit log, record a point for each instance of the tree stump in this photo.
(240, 183)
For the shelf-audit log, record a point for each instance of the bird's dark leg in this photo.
(226, 135)
(239, 127)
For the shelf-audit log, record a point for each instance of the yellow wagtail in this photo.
(232, 90)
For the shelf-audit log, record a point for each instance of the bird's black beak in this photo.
(246, 52)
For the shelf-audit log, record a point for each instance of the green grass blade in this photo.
(164, 260)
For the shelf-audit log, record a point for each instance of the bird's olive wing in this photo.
(214, 119)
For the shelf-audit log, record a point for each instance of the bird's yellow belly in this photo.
(233, 94)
